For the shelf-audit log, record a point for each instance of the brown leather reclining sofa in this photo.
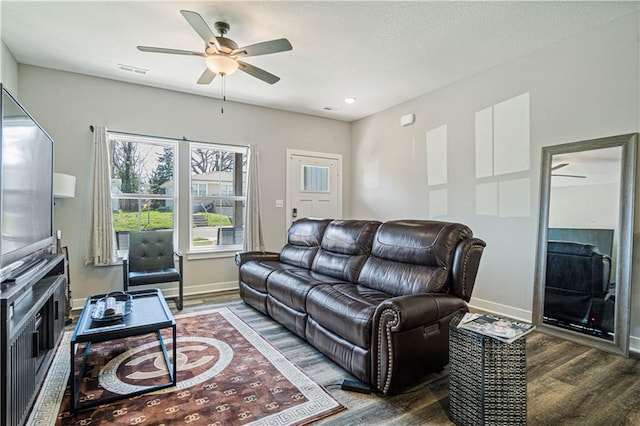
(376, 298)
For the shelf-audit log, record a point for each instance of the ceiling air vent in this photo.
(130, 68)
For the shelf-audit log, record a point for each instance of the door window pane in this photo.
(315, 179)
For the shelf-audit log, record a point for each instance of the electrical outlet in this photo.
(279, 204)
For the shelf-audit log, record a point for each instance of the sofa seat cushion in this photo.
(154, 276)
(291, 287)
(254, 274)
(346, 310)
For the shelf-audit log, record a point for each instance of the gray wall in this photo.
(583, 88)
(9, 70)
(66, 104)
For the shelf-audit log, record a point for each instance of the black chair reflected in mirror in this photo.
(152, 260)
(578, 286)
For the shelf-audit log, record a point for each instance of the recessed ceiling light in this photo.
(350, 100)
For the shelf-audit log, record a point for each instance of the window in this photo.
(315, 179)
(219, 172)
(199, 189)
(143, 194)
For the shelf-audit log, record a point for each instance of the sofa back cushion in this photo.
(412, 256)
(578, 267)
(303, 241)
(345, 246)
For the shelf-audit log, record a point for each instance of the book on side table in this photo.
(502, 329)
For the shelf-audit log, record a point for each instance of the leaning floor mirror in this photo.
(585, 242)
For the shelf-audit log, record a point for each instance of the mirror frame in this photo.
(624, 260)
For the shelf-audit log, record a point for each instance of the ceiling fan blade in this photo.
(171, 51)
(264, 48)
(571, 176)
(559, 166)
(198, 23)
(207, 76)
(259, 73)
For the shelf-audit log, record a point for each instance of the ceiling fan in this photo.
(221, 54)
(561, 165)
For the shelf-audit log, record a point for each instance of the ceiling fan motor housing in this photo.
(226, 44)
(222, 27)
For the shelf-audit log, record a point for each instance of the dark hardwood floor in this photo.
(568, 384)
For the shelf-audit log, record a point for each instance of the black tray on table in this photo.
(123, 300)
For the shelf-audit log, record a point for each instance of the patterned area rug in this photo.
(227, 374)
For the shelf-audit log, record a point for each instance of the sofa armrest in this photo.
(466, 261)
(407, 312)
(243, 257)
(408, 330)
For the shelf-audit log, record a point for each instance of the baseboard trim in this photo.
(527, 316)
(500, 309)
(171, 290)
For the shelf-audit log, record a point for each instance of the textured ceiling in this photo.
(382, 53)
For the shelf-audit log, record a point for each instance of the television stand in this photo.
(25, 273)
(32, 315)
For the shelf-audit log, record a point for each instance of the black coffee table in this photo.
(149, 314)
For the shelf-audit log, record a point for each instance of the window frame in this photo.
(113, 137)
(217, 248)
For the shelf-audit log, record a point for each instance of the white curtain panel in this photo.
(101, 247)
(253, 240)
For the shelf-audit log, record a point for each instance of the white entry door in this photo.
(314, 185)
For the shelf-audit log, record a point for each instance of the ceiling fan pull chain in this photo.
(224, 97)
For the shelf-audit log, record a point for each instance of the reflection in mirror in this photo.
(583, 220)
(585, 237)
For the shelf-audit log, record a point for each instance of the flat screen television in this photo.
(26, 201)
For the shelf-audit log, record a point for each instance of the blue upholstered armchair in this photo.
(152, 261)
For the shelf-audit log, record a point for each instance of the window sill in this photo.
(214, 254)
(194, 255)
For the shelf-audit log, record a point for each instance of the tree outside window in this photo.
(142, 196)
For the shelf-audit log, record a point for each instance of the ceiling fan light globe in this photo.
(221, 64)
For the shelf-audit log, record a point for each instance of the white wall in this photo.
(583, 88)
(66, 104)
(584, 206)
(587, 206)
(9, 70)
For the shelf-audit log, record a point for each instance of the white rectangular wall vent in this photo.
(130, 68)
